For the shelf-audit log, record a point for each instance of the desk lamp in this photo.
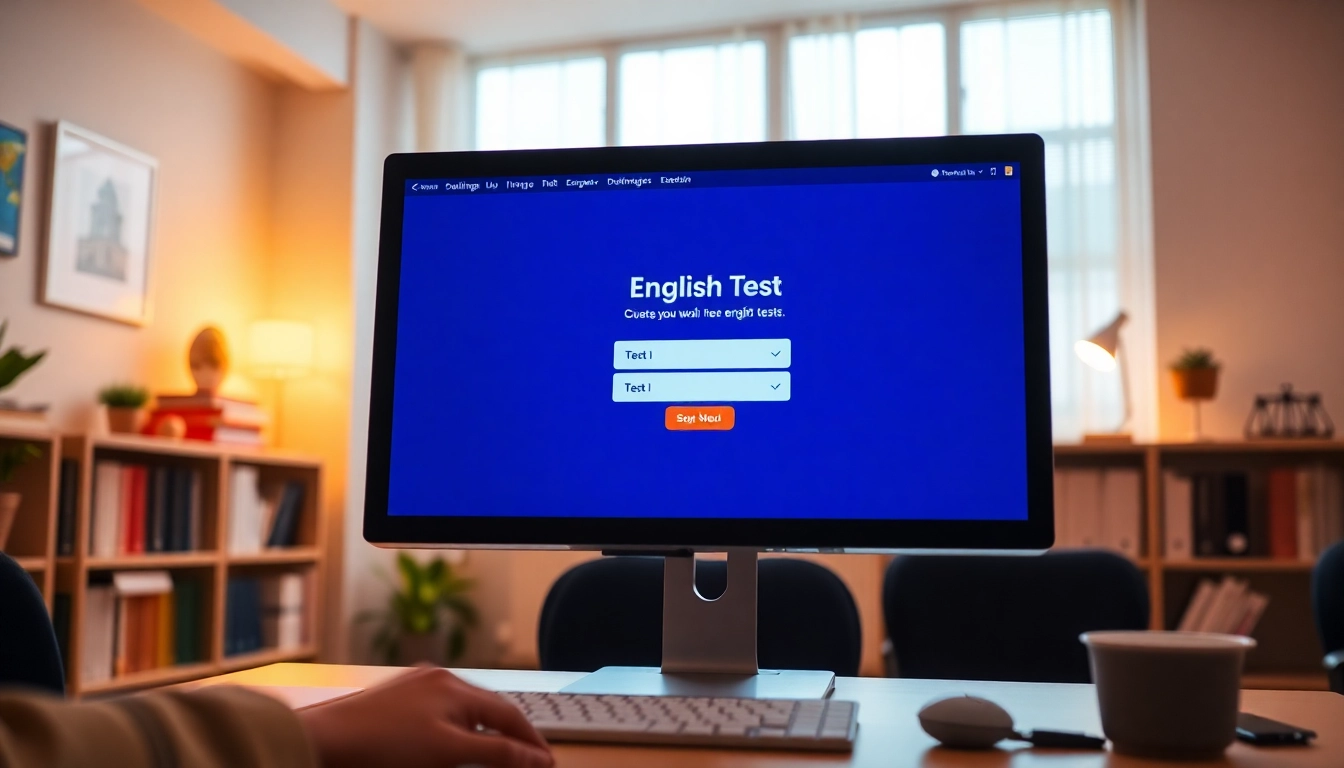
(1102, 352)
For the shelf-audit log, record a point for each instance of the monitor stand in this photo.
(709, 646)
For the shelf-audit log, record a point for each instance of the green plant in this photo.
(14, 363)
(1196, 359)
(123, 396)
(425, 593)
(16, 456)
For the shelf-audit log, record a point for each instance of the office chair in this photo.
(29, 655)
(609, 612)
(1327, 598)
(1007, 618)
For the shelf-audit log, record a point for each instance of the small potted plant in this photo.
(427, 615)
(1195, 375)
(125, 407)
(11, 458)
(13, 364)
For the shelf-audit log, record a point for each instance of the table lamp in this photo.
(1102, 352)
(280, 350)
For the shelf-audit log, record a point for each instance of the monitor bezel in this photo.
(1035, 533)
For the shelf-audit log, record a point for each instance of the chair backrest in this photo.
(609, 612)
(1005, 617)
(29, 656)
(1327, 599)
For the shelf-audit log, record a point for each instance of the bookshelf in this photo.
(32, 540)
(1288, 653)
(208, 567)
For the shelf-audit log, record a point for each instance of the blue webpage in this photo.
(837, 343)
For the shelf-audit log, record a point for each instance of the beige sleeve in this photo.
(208, 728)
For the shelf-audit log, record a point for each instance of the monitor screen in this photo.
(818, 344)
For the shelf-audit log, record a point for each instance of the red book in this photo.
(127, 504)
(135, 525)
(1283, 514)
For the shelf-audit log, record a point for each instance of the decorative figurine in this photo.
(209, 361)
(1289, 415)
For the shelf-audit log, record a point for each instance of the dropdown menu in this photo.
(701, 354)
(701, 387)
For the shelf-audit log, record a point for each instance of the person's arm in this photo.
(425, 718)
(209, 728)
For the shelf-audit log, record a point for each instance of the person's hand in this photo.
(425, 718)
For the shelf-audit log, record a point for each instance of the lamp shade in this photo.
(1099, 351)
(280, 349)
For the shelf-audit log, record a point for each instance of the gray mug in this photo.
(1171, 695)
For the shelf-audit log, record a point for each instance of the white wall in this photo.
(1247, 118)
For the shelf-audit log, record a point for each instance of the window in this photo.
(880, 82)
(548, 104)
(694, 95)
(1047, 68)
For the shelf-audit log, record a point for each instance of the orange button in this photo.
(699, 417)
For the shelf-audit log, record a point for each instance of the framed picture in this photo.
(100, 228)
(13, 150)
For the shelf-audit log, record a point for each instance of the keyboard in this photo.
(809, 724)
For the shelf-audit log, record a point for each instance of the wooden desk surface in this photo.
(889, 735)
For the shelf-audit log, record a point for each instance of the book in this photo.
(1306, 515)
(105, 527)
(246, 510)
(99, 633)
(1282, 503)
(1257, 512)
(156, 509)
(1198, 607)
(285, 523)
(186, 621)
(1178, 523)
(231, 410)
(283, 611)
(1121, 511)
(135, 480)
(139, 596)
(194, 511)
(67, 500)
(1207, 503)
(1235, 515)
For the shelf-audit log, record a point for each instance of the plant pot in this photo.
(1195, 383)
(125, 421)
(9, 509)
(423, 647)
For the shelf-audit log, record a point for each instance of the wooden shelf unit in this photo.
(213, 564)
(1288, 655)
(32, 540)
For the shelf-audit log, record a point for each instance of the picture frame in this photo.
(100, 227)
(13, 152)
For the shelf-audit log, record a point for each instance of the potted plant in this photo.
(13, 364)
(11, 458)
(125, 407)
(427, 615)
(1194, 375)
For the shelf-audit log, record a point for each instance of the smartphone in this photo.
(1263, 732)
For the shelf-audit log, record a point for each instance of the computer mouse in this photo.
(966, 722)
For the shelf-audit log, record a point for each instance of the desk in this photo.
(889, 735)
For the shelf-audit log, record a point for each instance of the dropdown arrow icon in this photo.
(774, 386)
(776, 353)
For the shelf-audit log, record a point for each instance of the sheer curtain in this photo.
(693, 94)
(542, 104)
(1053, 74)
(1046, 68)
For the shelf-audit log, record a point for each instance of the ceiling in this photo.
(493, 26)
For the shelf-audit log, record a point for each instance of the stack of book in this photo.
(262, 515)
(1099, 508)
(212, 418)
(267, 612)
(138, 621)
(139, 508)
(1228, 607)
(1288, 513)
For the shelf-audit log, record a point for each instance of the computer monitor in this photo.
(832, 346)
